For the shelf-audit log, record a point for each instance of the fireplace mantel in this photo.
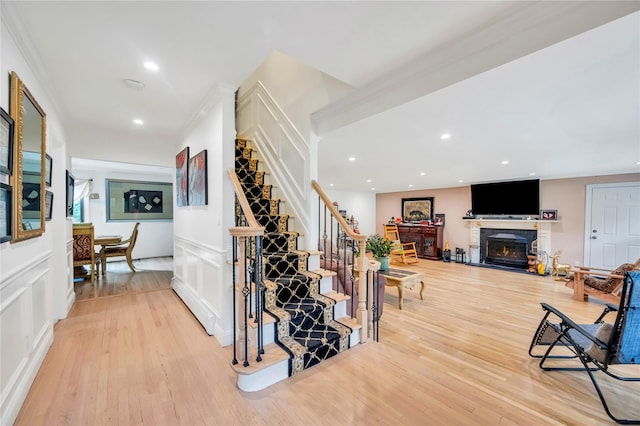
(542, 226)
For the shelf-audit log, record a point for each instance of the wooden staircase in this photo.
(304, 321)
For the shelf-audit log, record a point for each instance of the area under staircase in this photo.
(289, 317)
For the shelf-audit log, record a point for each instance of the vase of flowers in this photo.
(380, 248)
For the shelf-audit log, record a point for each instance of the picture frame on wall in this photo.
(417, 209)
(48, 205)
(70, 193)
(131, 200)
(198, 194)
(6, 142)
(5, 212)
(548, 214)
(47, 170)
(182, 178)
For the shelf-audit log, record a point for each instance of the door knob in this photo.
(594, 238)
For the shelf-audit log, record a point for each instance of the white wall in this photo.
(202, 268)
(36, 279)
(155, 237)
(297, 88)
(360, 205)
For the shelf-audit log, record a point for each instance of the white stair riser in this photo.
(264, 378)
(268, 333)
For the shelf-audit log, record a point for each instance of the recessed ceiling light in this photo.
(445, 136)
(460, 181)
(151, 66)
(532, 174)
(373, 189)
(352, 158)
(505, 162)
(410, 185)
(138, 121)
(330, 184)
(638, 163)
(368, 180)
(422, 173)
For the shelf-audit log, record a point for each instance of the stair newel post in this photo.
(243, 287)
(353, 248)
(234, 261)
(362, 266)
(373, 288)
(259, 287)
(243, 297)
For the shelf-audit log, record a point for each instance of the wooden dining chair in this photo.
(83, 250)
(121, 249)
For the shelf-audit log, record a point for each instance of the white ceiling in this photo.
(571, 109)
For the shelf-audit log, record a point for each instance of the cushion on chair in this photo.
(609, 284)
(82, 247)
(604, 335)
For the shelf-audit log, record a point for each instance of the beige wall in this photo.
(566, 195)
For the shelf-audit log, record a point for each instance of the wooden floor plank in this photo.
(137, 356)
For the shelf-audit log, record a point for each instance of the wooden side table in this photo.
(403, 278)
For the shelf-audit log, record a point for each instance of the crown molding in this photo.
(215, 95)
(526, 28)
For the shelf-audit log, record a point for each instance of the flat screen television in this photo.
(514, 198)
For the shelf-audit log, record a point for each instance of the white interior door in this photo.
(612, 234)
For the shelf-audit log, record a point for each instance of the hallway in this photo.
(151, 274)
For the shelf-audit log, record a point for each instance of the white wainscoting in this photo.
(70, 294)
(202, 279)
(26, 331)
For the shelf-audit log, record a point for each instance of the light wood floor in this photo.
(459, 357)
(151, 274)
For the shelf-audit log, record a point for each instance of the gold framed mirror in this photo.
(29, 162)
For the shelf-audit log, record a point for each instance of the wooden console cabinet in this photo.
(428, 239)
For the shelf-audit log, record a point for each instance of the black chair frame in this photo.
(579, 338)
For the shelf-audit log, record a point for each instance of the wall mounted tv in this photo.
(515, 198)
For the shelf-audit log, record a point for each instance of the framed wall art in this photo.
(71, 182)
(6, 142)
(182, 178)
(198, 194)
(5, 212)
(47, 170)
(417, 209)
(48, 205)
(131, 200)
(31, 197)
(548, 214)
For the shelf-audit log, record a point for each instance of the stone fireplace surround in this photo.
(542, 227)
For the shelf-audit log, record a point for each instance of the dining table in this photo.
(102, 240)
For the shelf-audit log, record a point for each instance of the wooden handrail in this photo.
(336, 214)
(244, 204)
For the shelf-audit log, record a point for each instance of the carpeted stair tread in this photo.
(273, 223)
(255, 191)
(279, 242)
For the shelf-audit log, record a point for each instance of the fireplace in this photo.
(506, 247)
(507, 250)
(533, 230)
